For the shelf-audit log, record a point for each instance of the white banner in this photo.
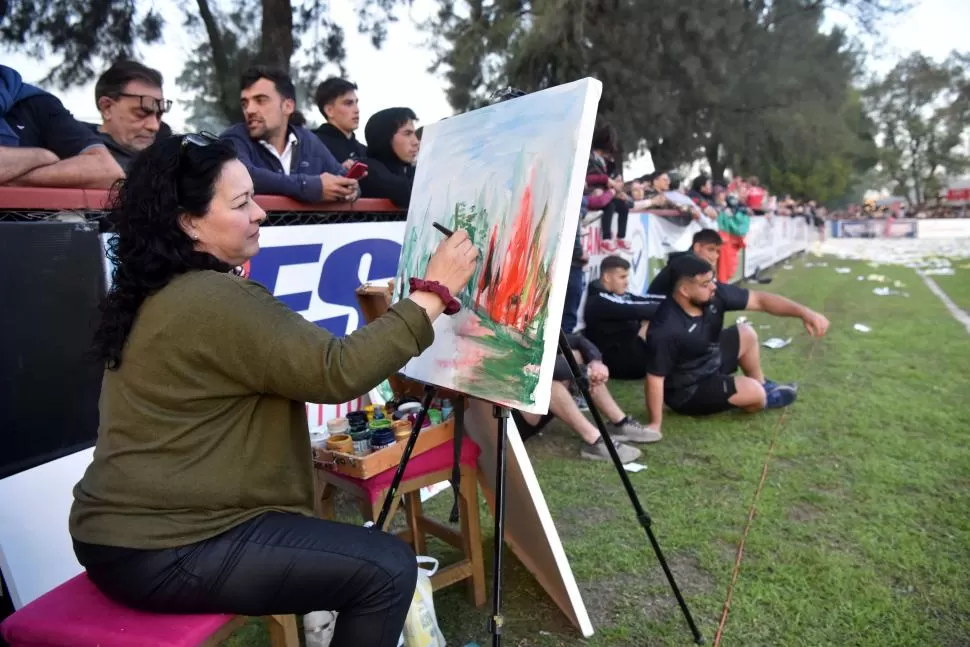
(316, 270)
(771, 240)
(944, 228)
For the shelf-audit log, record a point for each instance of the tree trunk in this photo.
(713, 153)
(228, 93)
(276, 44)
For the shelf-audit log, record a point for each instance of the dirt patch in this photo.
(572, 522)
(649, 593)
(726, 550)
(804, 513)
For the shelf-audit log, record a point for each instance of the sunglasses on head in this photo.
(201, 138)
(149, 103)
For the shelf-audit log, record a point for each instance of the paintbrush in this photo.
(447, 232)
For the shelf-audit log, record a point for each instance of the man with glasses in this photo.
(42, 144)
(131, 103)
(692, 359)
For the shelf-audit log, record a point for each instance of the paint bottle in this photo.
(338, 426)
(342, 443)
(434, 415)
(361, 441)
(446, 409)
(383, 434)
(402, 429)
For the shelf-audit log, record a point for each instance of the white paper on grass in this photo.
(776, 342)
(843, 270)
(862, 327)
(634, 467)
(512, 167)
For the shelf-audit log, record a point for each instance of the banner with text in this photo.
(316, 270)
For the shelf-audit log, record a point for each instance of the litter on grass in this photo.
(843, 270)
(776, 342)
(862, 328)
(634, 467)
(887, 292)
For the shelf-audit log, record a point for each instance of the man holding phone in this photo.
(282, 158)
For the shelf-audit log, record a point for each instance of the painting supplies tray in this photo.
(365, 467)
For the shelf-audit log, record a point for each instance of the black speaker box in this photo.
(51, 285)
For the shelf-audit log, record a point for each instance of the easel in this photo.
(501, 415)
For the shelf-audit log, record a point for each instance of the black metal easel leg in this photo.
(642, 516)
(497, 621)
(429, 393)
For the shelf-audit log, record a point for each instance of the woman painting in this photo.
(200, 496)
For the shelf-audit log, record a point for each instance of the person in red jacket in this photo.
(756, 196)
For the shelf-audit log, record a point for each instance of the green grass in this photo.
(957, 287)
(862, 532)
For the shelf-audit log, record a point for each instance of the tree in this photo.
(90, 34)
(682, 78)
(922, 112)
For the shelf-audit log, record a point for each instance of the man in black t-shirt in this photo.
(42, 144)
(692, 358)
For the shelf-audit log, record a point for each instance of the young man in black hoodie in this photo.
(392, 150)
(616, 320)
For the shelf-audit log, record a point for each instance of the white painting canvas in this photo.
(511, 175)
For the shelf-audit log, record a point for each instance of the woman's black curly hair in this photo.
(171, 177)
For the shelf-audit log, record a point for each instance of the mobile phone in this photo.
(357, 171)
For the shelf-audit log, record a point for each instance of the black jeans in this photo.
(622, 211)
(574, 295)
(274, 564)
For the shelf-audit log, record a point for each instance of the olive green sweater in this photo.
(204, 424)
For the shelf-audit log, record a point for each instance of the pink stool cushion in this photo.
(433, 460)
(77, 614)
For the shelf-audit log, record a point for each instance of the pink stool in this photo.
(76, 614)
(433, 466)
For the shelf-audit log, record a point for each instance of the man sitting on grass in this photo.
(692, 359)
(620, 426)
(616, 320)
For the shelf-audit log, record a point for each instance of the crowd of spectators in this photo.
(43, 145)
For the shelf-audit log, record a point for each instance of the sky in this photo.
(397, 74)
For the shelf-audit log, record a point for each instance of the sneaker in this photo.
(608, 246)
(624, 245)
(599, 452)
(771, 385)
(581, 402)
(632, 431)
(781, 396)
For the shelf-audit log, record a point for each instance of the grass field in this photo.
(862, 531)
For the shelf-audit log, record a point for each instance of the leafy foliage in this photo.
(922, 111)
(88, 35)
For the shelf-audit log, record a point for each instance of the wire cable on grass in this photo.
(751, 513)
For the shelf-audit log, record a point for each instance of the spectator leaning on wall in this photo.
(42, 144)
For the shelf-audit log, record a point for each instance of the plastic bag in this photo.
(421, 627)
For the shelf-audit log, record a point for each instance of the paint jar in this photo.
(318, 439)
(354, 418)
(402, 429)
(338, 426)
(378, 414)
(434, 415)
(342, 443)
(383, 437)
(446, 409)
(369, 410)
(361, 441)
(409, 408)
